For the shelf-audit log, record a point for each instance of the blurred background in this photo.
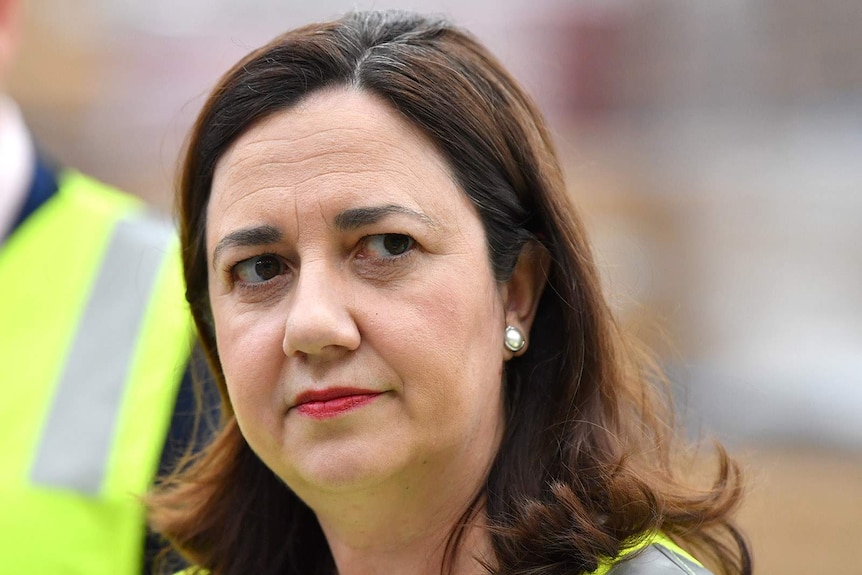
(715, 149)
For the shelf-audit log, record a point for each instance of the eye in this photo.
(389, 245)
(258, 269)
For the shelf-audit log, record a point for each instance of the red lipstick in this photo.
(333, 401)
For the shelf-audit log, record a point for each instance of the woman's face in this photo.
(359, 325)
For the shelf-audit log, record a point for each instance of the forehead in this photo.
(338, 146)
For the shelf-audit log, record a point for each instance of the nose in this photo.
(319, 319)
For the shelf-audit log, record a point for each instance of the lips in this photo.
(334, 401)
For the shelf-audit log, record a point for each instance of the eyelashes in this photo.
(259, 269)
(388, 246)
(373, 251)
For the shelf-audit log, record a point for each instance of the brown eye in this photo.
(396, 244)
(259, 269)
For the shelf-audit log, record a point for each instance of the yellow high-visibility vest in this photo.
(95, 335)
(655, 554)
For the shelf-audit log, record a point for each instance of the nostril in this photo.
(319, 323)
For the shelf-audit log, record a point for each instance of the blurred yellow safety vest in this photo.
(653, 554)
(94, 338)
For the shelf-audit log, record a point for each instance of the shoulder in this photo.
(89, 200)
(657, 559)
(83, 188)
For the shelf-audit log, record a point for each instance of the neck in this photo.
(414, 551)
(405, 526)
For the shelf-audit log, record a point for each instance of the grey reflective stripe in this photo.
(657, 560)
(76, 440)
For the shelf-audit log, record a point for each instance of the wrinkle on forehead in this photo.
(300, 134)
(248, 166)
(324, 146)
(289, 148)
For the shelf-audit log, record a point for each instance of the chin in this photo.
(342, 469)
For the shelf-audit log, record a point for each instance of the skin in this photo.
(313, 285)
(10, 29)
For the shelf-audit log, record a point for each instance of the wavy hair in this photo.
(589, 459)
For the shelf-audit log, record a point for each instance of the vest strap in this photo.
(76, 442)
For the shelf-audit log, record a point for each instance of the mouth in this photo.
(334, 401)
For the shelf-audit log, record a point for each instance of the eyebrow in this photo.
(348, 220)
(355, 218)
(254, 236)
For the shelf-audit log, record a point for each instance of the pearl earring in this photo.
(514, 339)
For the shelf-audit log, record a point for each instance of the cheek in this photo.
(447, 347)
(250, 348)
(443, 319)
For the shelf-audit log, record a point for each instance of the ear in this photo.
(524, 289)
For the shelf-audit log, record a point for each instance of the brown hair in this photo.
(588, 459)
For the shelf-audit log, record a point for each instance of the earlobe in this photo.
(524, 289)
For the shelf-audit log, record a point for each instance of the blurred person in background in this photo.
(93, 358)
(399, 305)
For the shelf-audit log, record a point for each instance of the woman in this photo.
(399, 304)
